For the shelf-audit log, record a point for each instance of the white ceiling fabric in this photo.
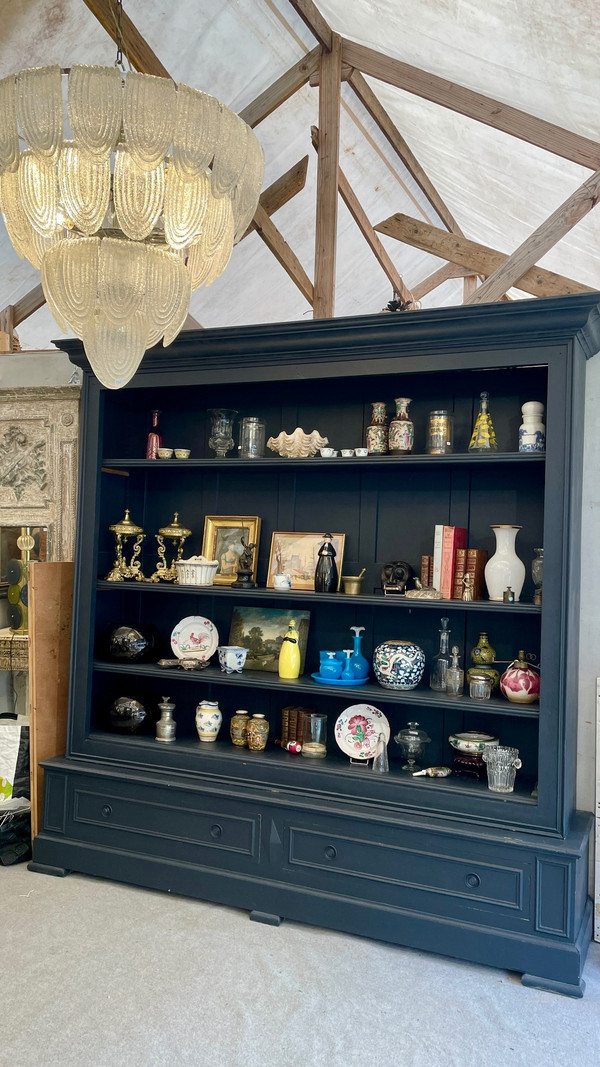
(540, 57)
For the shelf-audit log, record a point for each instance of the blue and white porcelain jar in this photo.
(232, 658)
(532, 432)
(398, 664)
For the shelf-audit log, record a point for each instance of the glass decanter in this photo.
(537, 573)
(441, 661)
(455, 676)
(412, 742)
(483, 438)
(221, 430)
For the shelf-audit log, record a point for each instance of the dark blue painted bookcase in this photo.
(440, 864)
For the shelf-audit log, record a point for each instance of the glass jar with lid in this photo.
(252, 437)
(440, 433)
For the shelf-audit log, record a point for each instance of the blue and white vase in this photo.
(398, 664)
(532, 432)
(208, 720)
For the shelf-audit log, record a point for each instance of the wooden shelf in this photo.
(274, 463)
(369, 693)
(298, 596)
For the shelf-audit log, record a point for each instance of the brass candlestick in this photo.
(121, 569)
(175, 532)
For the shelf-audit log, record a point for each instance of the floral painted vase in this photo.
(402, 430)
(520, 682)
(238, 728)
(258, 732)
(208, 720)
(398, 664)
(378, 430)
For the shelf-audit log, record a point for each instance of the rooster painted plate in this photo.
(358, 728)
(194, 638)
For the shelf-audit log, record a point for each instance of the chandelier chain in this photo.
(119, 34)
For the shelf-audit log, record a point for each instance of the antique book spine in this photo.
(453, 537)
(460, 559)
(426, 569)
(475, 565)
(438, 535)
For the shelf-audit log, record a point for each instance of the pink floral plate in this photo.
(194, 638)
(357, 730)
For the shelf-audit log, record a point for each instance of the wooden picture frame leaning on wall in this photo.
(222, 540)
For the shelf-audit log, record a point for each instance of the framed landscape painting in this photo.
(222, 541)
(297, 554)
(262, 630)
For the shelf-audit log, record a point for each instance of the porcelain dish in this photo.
(472, 741)
(358, 728)
(194, 638)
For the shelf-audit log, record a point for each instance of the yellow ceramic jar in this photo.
(258, 732)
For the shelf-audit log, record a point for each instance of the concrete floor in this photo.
(102, 974)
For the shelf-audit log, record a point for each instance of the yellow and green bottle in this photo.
(289, 653)
(483, 438)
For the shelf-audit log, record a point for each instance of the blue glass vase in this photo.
(359, 665)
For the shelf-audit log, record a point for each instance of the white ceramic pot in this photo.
(532, 432)
(505, 568)
(232, 658)
(197, 570)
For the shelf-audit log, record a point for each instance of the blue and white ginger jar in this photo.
(398, 664)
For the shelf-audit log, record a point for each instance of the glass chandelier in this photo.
(126, 203)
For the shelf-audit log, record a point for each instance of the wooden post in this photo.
(327, 179)
(7, 326)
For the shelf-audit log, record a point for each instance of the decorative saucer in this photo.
(358, 728)
(194, 638)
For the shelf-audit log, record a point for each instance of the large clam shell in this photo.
(298, 444)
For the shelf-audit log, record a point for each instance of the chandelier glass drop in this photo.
(127, 199)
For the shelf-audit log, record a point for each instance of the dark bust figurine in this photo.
(395, 575)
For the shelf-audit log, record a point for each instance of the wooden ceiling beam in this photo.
(474, 105)
(327, 179)
(477, 258)
(379, 115)
(134, 46)
(29, 303)
(354, 207)
(312, 17)
(281, 89)
(551, 231)
(443, 274)
(282, 190)
(283, 253)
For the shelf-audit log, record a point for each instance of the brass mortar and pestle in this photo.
(353, 582)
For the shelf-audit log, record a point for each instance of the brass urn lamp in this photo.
(121, 569)
(175, 532)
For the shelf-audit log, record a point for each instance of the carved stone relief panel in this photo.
(39, 429)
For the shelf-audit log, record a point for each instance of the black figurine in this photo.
(244, 569)
(395, 576)
(326, 573)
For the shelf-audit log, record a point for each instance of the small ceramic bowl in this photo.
(327, 453)
(472, 741)
(361, 452)
(182, 453)
(347, 452)
(165, 453)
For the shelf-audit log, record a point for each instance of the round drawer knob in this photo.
(106, 811)
(473, 881)
(216, 830)
(330, 852)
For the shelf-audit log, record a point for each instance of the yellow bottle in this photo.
(289, 654)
